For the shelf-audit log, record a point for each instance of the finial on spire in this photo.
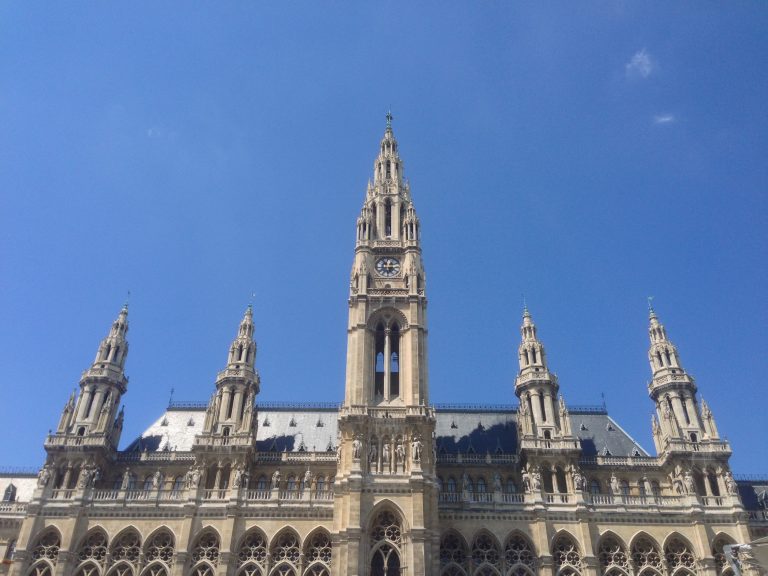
(525, 307)
(389, 120)
(651, 311)
(127, 300)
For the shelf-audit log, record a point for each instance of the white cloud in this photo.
(640, 65)
(664, 119)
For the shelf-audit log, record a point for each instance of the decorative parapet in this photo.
(91, 441)
(621, 461)
(13, 509)
(549, 444)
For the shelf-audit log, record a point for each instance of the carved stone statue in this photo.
(385, 453)
(647, 486)
(465, 482)
(356, 446)
(276, 479)
(416, 449)
(730, 484)
(373, 452)
(237, 481)
(400, 452)
(44, 476)
(536, 480)
(126, 479)
(527, 481)
(615, 485)
(157, 479)
(307, 479)
(578, 479)
(497, 482)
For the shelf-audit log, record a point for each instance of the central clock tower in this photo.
(386, 458)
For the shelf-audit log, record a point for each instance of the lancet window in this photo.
(613, 557)
(205, 554)
(645, 554)
(159, 549)
(252, 556)
(454, 558)
(93, 548)
(47, 547)
(286, 552)
(318, 554)
(519, 557)
(679, 556)
(386, 539)
(126, 548)
(723, 569)
(387, 360)
(486, 555)
(566, 555)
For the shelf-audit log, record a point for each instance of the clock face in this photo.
(388, 267)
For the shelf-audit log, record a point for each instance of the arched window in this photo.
(10, 493)
(624, 488)
(160, 547)
(93, 548)
(47, 547)
(285, 551)
(594, 486)
(519, 556)
(205, 554)
(386, 539)
(481, 487)
(291, 485)
(511, 487)
(378, 388)
(178, 484)
(147, 483)
(394, 360)
(320, 485)
(678, 555)
(317, 553)
(645, 554)
(261, 483)
(126, 547)
(451, 485)
(566, 555)
(613, 554)
(486, 553)
(252, 556)
(454, 559)
(387, 216)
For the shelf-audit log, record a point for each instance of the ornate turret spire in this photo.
(101, 388)
(230, 410)
(680, 421)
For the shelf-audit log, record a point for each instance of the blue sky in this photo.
(587, 155)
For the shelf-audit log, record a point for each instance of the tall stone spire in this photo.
(682, 424)
(544, 415)
(93, 414)
(230, 412)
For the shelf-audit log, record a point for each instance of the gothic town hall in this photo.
(383, 482)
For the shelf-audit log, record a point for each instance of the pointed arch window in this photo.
(387, 218)
(386, 539)
(566, 555)
(645, 554)
(678, 554)
(613, 554)
(386, 349)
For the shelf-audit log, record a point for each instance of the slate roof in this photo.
(754, 493)
(313, 427)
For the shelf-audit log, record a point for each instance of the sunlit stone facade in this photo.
(383, 482)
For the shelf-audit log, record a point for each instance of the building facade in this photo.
(384, 483)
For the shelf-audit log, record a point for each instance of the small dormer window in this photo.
(635, 451)
(606, 452)
(609, 427)
(10, 493)
(319, 423)
(266, 421)
(292, 423)
(583, 427)
(453, 424)
(164, 422)
(191, 422)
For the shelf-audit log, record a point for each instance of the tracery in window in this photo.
(566, 555)
(10, 493)
(317, 553)
(252, 555)
(47, 547)
(678, 554)
(286, 548)
(645, 554)
(454, 558)
(486, 553)
(160, 548)
(386, 538)
(206, 548)
(612, 554)
(93, 547)
(519, 557)
(126, 547)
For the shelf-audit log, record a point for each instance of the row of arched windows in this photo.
(126, 555)
(518, 557)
